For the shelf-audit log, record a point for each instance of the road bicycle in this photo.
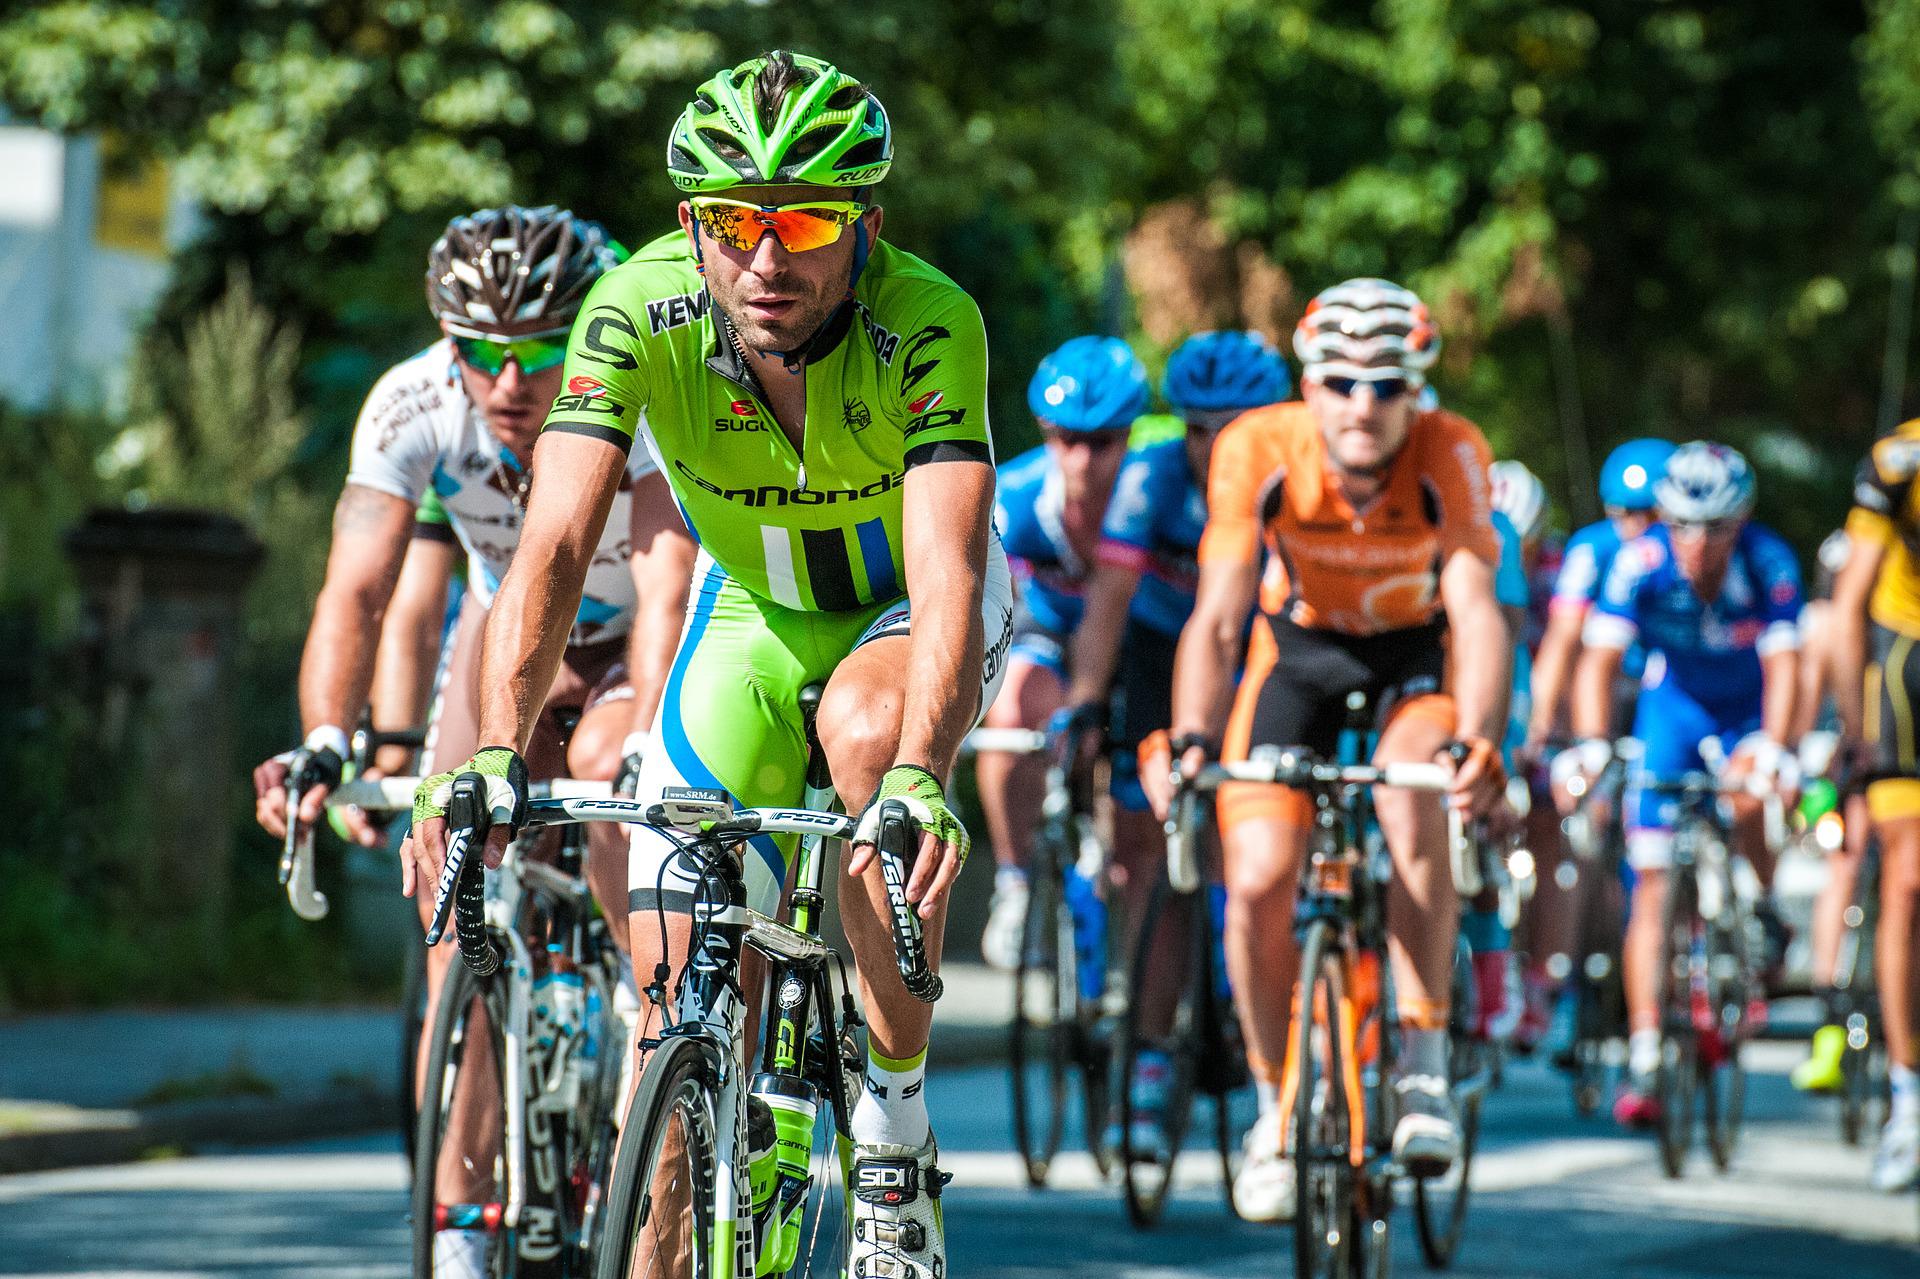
(1856, 1000)
(524, 1061)
(1334, 1084)
(1597, 1054)
(698, 1188)
(1066, 1001)
(1708, 974)
(1205, 1053)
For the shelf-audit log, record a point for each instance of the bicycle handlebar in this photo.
(895, 847)
(462, 886)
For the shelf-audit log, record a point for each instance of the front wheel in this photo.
(1045, 1015)
(660, 1205)
(1440, 1203)
(459, 1174)
(1148, 1174)
(1325, 1178)
(1678, 1078)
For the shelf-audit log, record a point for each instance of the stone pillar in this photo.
(162, 594)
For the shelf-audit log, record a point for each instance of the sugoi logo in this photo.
(925, 402)
(591, 387)
(744, 408)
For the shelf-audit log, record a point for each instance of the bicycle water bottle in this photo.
(782, 1170)
(1217, 910)
(1089, 933)
(590, 1027)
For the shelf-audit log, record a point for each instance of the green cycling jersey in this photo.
(895, 380)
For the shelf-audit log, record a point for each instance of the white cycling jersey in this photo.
(418, 431)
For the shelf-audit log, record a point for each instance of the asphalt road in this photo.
(1554, 1196)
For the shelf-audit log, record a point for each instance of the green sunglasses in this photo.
(531, 354)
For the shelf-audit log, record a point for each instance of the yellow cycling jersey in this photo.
(1886, 512)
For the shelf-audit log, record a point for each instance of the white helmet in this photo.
(1705, 482)
(1521, 497)
(1367, 329)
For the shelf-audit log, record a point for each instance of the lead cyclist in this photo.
(817, 400)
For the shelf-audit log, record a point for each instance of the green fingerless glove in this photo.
(506, 775)
(925, 799)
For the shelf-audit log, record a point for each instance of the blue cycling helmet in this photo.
(1228, 369)
(1704, 482)
(1089, 384)
(1630, 472)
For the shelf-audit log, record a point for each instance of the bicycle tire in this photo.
(1045, 999)
(675, 1090)
(1440, 1203)
(1734, 984)
(453, 1039)
(1148, 1180)
(1678, 1076)
(413, 1028)
(1223, 1061)
(1323, 1129)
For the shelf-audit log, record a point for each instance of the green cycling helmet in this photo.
(782, 118)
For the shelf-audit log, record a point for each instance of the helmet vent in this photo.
(724, 146)
(845, 99)
(872, 151)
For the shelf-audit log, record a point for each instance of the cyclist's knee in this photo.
(594, 753)
(1032, 693)
(1262, 863)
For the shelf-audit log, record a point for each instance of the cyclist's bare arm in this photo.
(1852, 588)
(410, 643)
(1816, 666)
(662, 563)
(1553, 670)
(1593, 689)
(1207, 659)
(1095, 647)
(370, 534)
(1779, 693)
(1482, 646)
(949, 508)
(575, 478)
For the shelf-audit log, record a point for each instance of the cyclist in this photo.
(1378, 530)
(1627, 478)
(1876, 610)
(1137, 598)
(1823, 1070)
(1519, 517)
(817, 400)
(459, 420)
(1049, 512)
(1715, 600)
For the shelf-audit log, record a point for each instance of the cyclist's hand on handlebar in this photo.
(313, 768)
(943, 839)
(1479, 781)
(353, 823)
(425, 852)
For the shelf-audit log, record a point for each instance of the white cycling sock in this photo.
(1266, 1095)
(1904, 1083)
(459, 1254)
(1423, 1052)
(1643, 1051)
(1009, 879)
(892, 1110)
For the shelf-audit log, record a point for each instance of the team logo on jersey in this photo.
(925, 403)
(934, 420)
(591, 387)
(601, 322)
(885, 342)
(855, 416)
(674, 312)
(914, 369)
(744, 408)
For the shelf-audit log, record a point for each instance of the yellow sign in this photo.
(131, 212)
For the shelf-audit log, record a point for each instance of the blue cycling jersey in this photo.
(1027, 510)
(1583, 571)
(1710, 651)
(1153, 526)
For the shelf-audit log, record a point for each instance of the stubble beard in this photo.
(810, 311)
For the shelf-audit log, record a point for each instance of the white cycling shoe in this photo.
(460, 1254)
(898, 1229)
(1896, 1164)
(1006, 922)
(1426, 1140)
(1263, 1190)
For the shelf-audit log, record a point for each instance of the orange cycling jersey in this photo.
(1332, 566)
